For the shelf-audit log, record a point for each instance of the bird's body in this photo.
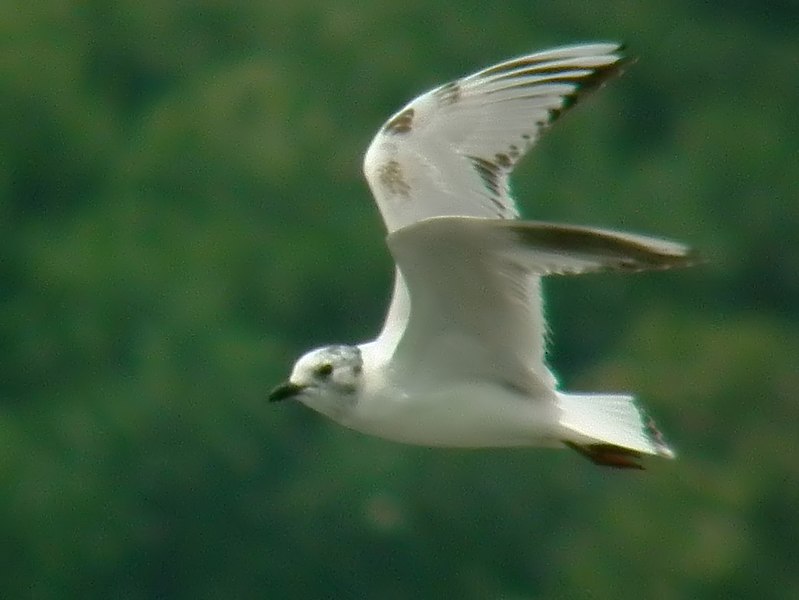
(460, 360)
(461, 411)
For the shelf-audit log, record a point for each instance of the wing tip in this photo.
(598, 76)
(601, 249)
(651, 259)
(598, 79)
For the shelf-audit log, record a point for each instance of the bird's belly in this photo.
(466, 415)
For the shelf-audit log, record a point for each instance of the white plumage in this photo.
(460, 360)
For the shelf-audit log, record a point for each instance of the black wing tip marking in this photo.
(584, 84)
(588, 84)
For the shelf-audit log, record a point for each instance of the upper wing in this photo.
(475, 307)
(450, 151)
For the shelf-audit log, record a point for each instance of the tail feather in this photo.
(609, 429)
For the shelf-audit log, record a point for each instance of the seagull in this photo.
(461, 358)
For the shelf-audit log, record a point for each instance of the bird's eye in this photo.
(324, 370)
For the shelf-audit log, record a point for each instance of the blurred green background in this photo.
(182, 213)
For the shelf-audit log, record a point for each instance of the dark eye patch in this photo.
(324, 370)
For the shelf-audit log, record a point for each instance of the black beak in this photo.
(284, 391)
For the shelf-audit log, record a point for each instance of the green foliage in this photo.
(182, 212)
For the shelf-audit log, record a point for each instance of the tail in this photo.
(610, 430)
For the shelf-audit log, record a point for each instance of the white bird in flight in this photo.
(460, 361)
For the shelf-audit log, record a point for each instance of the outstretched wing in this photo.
(473, 287)
(450, 151)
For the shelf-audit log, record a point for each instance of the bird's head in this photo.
(325, 379)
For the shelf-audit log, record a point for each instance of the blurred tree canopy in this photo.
(182, 212)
